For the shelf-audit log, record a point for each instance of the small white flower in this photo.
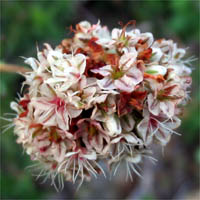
(123, 77)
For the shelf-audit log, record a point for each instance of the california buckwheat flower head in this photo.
(99, 97)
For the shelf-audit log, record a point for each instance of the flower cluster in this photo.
(100, 96)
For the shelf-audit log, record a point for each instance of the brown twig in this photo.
(13, 68)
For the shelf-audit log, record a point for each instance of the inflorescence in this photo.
(100, 96)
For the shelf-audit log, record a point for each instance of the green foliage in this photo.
(197, 155)
(184, 18)
(25, 23)
(178, 18)
(20, 183)
(148, 197)
(190, 125)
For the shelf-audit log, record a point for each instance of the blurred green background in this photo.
(25, 23)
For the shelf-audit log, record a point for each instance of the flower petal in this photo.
(106, 83)
(153, 105)
(168, 108)
(112, 124)
(131, 138)
(104, 71)
(156, 70)
(127, 122)
(128, 59)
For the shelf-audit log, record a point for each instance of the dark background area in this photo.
(25, 23)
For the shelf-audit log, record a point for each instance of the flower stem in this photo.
(13, 68)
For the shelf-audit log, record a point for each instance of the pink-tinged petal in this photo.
(106, 83)
(92, 134)
(128, 59)
(168, 108)
(186, 81)
(59, 151)
(111, 104)
(172, 89)
(153, 105)
(62, 119)
(104, 71)
(86, 142)
(127, 123)
(173, 123)
(124, 85)
(43, 143)
(49, 120)
(97, 143)
(142, 128)
(40, 103)
(135, 75)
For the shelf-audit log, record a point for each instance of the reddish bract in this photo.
(96, 48)
(145, 55)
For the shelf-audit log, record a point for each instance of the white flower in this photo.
(127, 41)
(94, 137)
(54, 112)
(165, 99)
(66, 69)
(158, 127)
(170, 52)
(123, 77)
